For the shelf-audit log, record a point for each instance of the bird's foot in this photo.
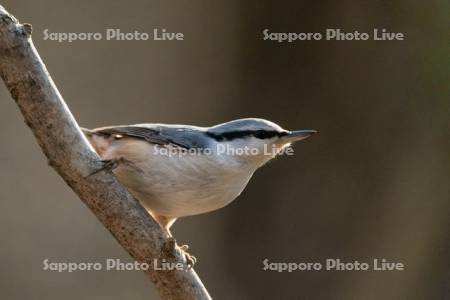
(107, 165)
(170, 247)
(190, 259)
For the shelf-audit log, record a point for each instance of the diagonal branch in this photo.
(68, 152)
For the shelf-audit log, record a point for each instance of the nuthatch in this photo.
(182, 170)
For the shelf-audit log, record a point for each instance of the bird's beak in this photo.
(297, 135)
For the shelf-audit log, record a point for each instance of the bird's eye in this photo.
(264, 134)
(261, 134)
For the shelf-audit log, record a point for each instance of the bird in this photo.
(176, 170)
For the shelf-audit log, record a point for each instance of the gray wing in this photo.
(182, 137)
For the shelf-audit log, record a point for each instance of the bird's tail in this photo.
(87, 132)
(98, 141)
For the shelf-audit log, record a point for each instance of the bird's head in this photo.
(261, 138)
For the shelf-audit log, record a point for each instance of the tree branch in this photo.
(69, 153)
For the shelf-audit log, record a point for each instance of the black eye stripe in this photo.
(260, 134)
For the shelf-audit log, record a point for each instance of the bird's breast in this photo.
(178, 185)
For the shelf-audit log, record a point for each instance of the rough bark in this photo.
(69, 153)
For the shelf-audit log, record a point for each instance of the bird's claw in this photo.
(191, 260)
(107, 165)
(170, 246)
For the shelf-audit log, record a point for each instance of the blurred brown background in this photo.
(373, 184)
